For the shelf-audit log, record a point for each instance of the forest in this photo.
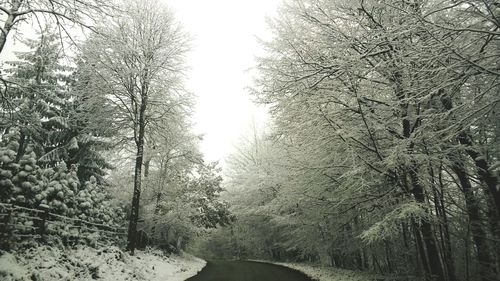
(96, 122)
(381, 153)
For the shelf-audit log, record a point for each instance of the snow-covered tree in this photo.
(387, 127)
(138, 58)
(64, 13)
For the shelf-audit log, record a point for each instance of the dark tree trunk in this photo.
(22, 146)
(444, 236)
(156, 212)
(146, 168)
(489, 180)
(421, 263)
(494, 221)
(9, 23)
(485, 176)
(487, 265)
(446, 231)
(134, 213)
(433, 256)
(388, 255)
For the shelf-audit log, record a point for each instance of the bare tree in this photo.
(138, 59)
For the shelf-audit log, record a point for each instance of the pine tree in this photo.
(37, 103)
(52, 111)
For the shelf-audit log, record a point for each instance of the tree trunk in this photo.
(429, 250)
(485, 176)
(365, 259)
(494, 221)
(446, 231)
(22, 146)
(487, 265)
(146, 168)
(433, 256)
(134, 213)
(9, 23)
(388, 255)
(489, 180)
(421, 263)
(156, 212)
(443, 230)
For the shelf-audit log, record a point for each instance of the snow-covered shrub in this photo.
(27, 184)
(93, 203)
(59, 188)
(8, 167)
(20, 181)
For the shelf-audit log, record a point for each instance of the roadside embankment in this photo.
(47, 263)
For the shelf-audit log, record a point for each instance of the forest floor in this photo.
(47, 263)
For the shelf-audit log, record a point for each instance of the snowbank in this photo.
(326, 273)
(84, 263)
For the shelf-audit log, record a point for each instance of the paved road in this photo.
(218, 270)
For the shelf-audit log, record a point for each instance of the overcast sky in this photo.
(224, 48)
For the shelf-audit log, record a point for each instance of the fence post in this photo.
(78, 237)
(5, 229)
(42, 229)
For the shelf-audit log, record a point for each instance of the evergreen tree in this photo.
(52, 110)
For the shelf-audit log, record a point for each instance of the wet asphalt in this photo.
(222, 270)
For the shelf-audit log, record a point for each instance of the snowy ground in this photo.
(85, 263)
(327, 273)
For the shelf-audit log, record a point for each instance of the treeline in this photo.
(97, 96)
(383, 153)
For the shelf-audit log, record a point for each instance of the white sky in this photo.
(224, 48)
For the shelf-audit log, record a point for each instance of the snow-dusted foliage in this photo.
(186, 207)
(391, 225)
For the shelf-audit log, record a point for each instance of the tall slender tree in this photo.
(138, 60)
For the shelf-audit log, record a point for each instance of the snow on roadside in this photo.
(47, 263)
(9, 265)
(327, 273)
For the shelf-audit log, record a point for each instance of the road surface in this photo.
(218, 270)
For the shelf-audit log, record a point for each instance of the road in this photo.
(218, 270)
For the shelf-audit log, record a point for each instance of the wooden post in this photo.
(5, 230)
(6, 220)
(78, 224)
(42, 229)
